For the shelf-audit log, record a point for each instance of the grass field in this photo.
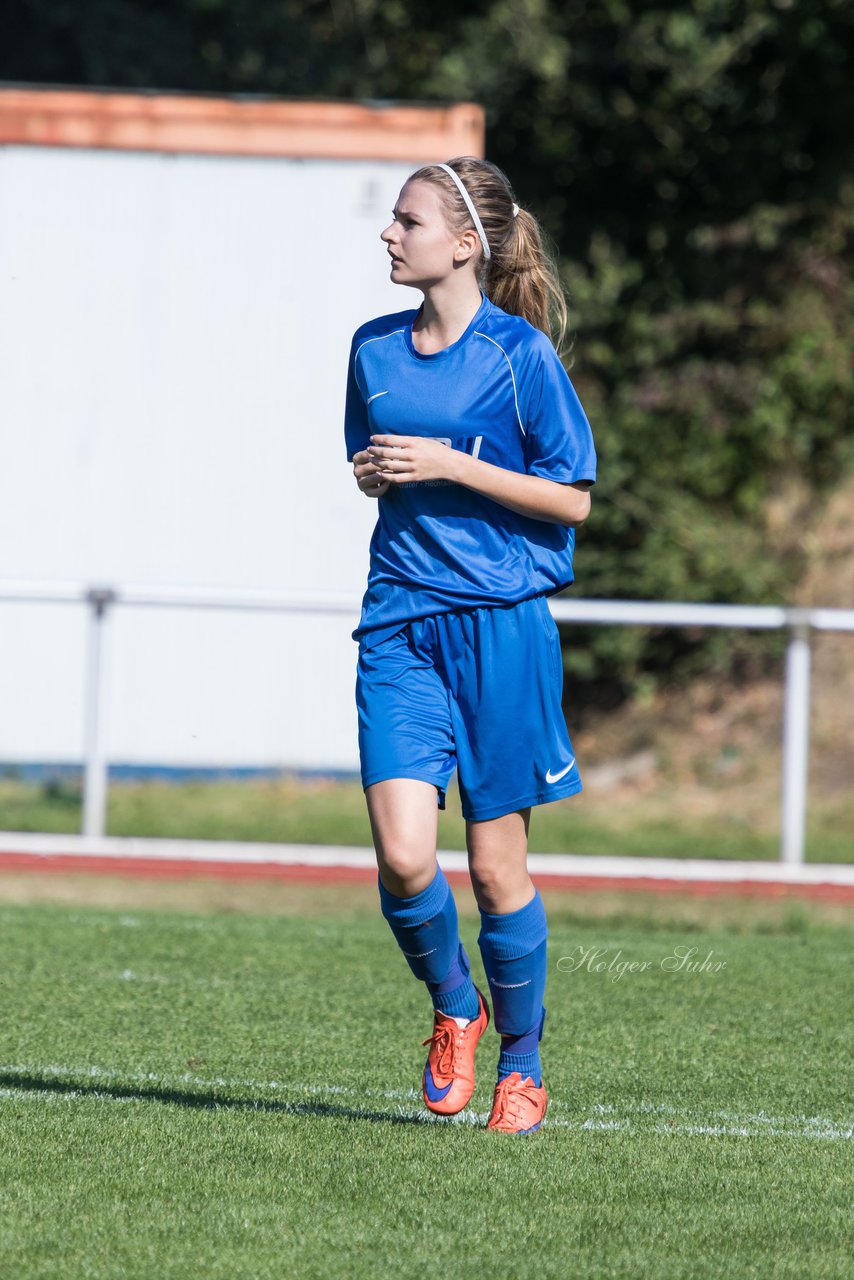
(661, 824)
(191, 1084)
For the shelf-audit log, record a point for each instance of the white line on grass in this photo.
(641, 1117)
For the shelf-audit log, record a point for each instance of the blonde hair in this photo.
(520, 276)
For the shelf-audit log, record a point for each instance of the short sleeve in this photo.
(558, 439)
(357, 431)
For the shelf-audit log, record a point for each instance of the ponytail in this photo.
(520, 275)
(522, 278)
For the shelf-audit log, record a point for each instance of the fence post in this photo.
(96, 767)
(796, 729)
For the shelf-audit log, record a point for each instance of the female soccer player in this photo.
(461, 419)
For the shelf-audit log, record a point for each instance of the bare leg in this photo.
(498, 851)
(404, 822)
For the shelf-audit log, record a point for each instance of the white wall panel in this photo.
(174, 331)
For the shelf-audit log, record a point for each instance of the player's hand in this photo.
(403, 459)
(367, 475)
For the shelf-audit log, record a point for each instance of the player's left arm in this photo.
(404, 459)
(553, 501)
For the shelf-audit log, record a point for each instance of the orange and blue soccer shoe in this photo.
(448, 1081)
(518, 1106)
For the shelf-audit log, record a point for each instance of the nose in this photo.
(387, 235)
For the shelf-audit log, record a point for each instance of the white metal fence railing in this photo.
(799, 623)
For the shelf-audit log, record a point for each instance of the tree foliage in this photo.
(692, 162)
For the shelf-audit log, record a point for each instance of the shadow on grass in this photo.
(33, 1083)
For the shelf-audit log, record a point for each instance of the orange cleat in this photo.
(519, 1105)
(448, 1081)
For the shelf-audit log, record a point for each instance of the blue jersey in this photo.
(501, 394)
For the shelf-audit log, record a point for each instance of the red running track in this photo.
(189, 869)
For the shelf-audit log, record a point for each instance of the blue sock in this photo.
(427, 933)
(513, 947)
(522, 1054)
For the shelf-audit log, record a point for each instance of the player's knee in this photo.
(406, 872)
(405, 856)
(494, 883)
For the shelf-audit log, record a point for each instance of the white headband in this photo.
(478, 225)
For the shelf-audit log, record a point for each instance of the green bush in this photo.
(692, 162)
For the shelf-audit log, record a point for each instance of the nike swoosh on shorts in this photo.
(556, 777)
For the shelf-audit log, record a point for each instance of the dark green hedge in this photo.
(692, 162)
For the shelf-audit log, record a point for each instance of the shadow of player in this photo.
(201, 1101)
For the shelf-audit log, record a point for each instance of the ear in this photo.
(466, 245)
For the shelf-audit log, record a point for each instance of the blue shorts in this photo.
(478, 690)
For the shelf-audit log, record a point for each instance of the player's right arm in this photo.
(365, 471)
(357, 432)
